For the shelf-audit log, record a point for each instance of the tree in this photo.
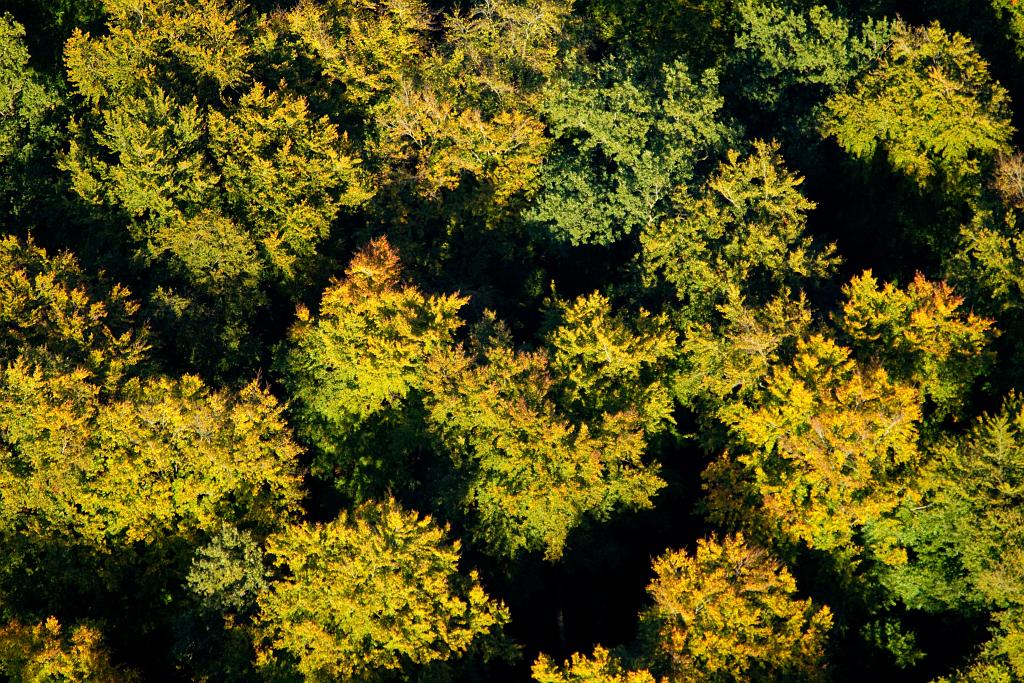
(50, 313)
(162, 458)
(805, 56)
(987, 262)
(965, 537)
(27, 129)
(230, 187)
(365, 48)
(467, 116)
(746, 228)
(622, 147)
(374, 591)
(360, 361)
(828, 443)
(1014, 16)
(602, 667)
(701, 31)
(530, 474)
(919, 335)
(605, 362)
(47, 652)
(728, 362)
(929, 105)
(729, 613)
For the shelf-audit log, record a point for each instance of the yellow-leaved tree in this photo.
(602, 667)
(373, 591)
(827, 443)
(46, 652)
(729, 612)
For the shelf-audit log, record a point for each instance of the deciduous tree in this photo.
(929, 104)
(920, 335)
(355, 366)
(374, 591)
(745, 228)
(531, 474)
(602, 667)
(729, 612)
(622, 147)
(827, 444)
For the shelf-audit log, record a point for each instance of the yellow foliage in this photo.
(729, 612)
(374, 591)
(44, 653)
(165, 457)
(828, 443)
(602, 667)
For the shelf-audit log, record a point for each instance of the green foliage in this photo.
(228, 573)
(225, 158)
(812, 54)
(730, 613)
(532, 474)
(230, 187)
(602, 667)
(746, 229)
(990, 252)
(362, 359)
(966, 538)
(1011, 12)
(1001, 660)
(366, 47)
(731, 361)
(374, 591)
(929, 105)
(45, 653)
(662, 30)
(622, 148)
(606, 363)
(27, 104)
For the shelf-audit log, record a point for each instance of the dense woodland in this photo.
(593, 341)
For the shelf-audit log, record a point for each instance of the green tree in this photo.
(929, 105)
(729, 612)
(352, 369)
(1000, 660)
(606, 362)
(467, 116)
(806, 56)
(375, 591)
(27, 125)
(530, 474)
(364, 48)
(965, 536)
(987, 262)
(728, 362)
(745, 228)
(622, 147)
(229, 186)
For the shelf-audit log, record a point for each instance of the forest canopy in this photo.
(573, 341)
